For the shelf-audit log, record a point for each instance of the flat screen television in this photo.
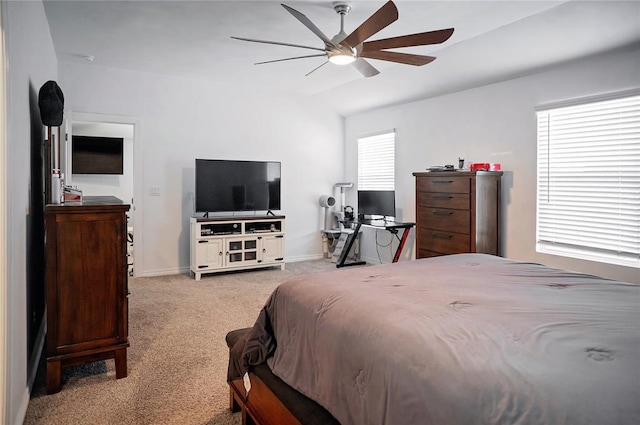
(376, 203)
(97, 155)
(230, 186)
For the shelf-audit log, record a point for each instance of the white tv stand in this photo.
(221, 244)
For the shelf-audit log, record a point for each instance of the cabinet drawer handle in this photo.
(203, 267)
(443, 197)
(441, 181)
(203, 241)
(441, 235)
(437, 212)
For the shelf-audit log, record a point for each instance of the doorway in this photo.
(125, 186)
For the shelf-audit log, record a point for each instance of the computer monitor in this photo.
(376, 203)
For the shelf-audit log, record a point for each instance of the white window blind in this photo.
(589, 181)
(376, 162)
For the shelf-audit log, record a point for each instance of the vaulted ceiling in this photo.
(493, 41)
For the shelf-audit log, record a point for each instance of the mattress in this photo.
(460, 339)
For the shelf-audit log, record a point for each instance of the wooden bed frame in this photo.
(262, 407)
(271, 401)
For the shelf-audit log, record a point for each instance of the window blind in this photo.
(588, 200)
(376, 162)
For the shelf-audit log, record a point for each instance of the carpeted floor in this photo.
(177, 361)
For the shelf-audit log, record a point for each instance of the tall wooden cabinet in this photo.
(86, 283)
(457, 212)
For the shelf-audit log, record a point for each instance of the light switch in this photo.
(155, 191)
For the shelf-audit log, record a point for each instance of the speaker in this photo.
(327, 201)
(51, 103)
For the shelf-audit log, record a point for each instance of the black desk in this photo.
(391, 226)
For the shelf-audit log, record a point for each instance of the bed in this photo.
(459, 339)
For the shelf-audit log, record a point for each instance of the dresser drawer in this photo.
(458, 201)
(457, 221)
(444, 242)
(423, 253)
(444, 184)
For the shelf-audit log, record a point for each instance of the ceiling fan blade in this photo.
(316, 68)
(278, 43)
(420, 39)
(288, 59)
(404, 58)
(365, 68)
(379, 20)
(307, 23)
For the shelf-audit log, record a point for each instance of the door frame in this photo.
(3, 223)
(136, 207)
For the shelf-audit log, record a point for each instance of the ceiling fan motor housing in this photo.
(341, 7)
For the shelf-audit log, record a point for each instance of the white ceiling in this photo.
(493, 41)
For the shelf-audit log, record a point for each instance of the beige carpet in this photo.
(177, 361)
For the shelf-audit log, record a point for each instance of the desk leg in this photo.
(403, 240)
(345, 251)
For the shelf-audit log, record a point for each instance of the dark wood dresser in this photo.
(457, 212)
(86, 282)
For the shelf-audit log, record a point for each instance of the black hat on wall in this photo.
(51, 103)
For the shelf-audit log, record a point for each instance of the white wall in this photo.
(31, 62)
(187, 119)
(495, 123)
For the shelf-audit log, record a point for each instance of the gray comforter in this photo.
(462, 339)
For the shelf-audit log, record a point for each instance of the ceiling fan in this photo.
(345, 49)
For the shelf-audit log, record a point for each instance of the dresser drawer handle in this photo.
(438, 212)
(443, 197)
(441, 235)
(441, 181)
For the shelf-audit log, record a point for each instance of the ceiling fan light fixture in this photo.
(341, 58)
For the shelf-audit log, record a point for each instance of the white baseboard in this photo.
(32, 366)
(164, 272)
(24, 404)
(373, 260)
(187, 270)
(298, 258)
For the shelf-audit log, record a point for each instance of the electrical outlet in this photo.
(155, 191)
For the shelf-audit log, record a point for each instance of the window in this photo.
(376, 162)
(588, 196)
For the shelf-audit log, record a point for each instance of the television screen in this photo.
(376, 203)
(227, 186)
(97, 155)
